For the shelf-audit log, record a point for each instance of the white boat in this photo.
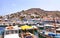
(58, 30)
(11, 33)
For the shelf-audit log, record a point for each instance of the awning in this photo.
(26, 27)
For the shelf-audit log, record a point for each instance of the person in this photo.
(9, 27)
(22, 35)
(29, 35)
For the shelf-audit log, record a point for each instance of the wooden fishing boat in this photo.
(10, 32)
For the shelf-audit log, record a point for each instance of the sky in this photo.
(13, 6)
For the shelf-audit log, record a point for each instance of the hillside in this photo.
(35, 11)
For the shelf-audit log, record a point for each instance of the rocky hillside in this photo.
(34, 11)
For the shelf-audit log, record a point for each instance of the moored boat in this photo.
(10, 32)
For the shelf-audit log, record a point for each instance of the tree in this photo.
(1, 17)
(36, 13)
(37, 16)
(32, 17)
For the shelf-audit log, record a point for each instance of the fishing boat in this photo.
(58, 30)
(11, 32)
(1, 32)
(30, 31)
(57, 33)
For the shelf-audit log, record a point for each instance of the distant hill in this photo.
(36, 11)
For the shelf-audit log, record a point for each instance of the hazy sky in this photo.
(11, 6)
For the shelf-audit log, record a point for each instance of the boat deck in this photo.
(45, 36)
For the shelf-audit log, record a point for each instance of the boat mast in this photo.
(54, 24)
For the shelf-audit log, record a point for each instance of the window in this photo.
(7, 32)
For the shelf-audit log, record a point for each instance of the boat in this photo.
(11, 32)
(1, 32)
(57, 33)
(30, 30)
